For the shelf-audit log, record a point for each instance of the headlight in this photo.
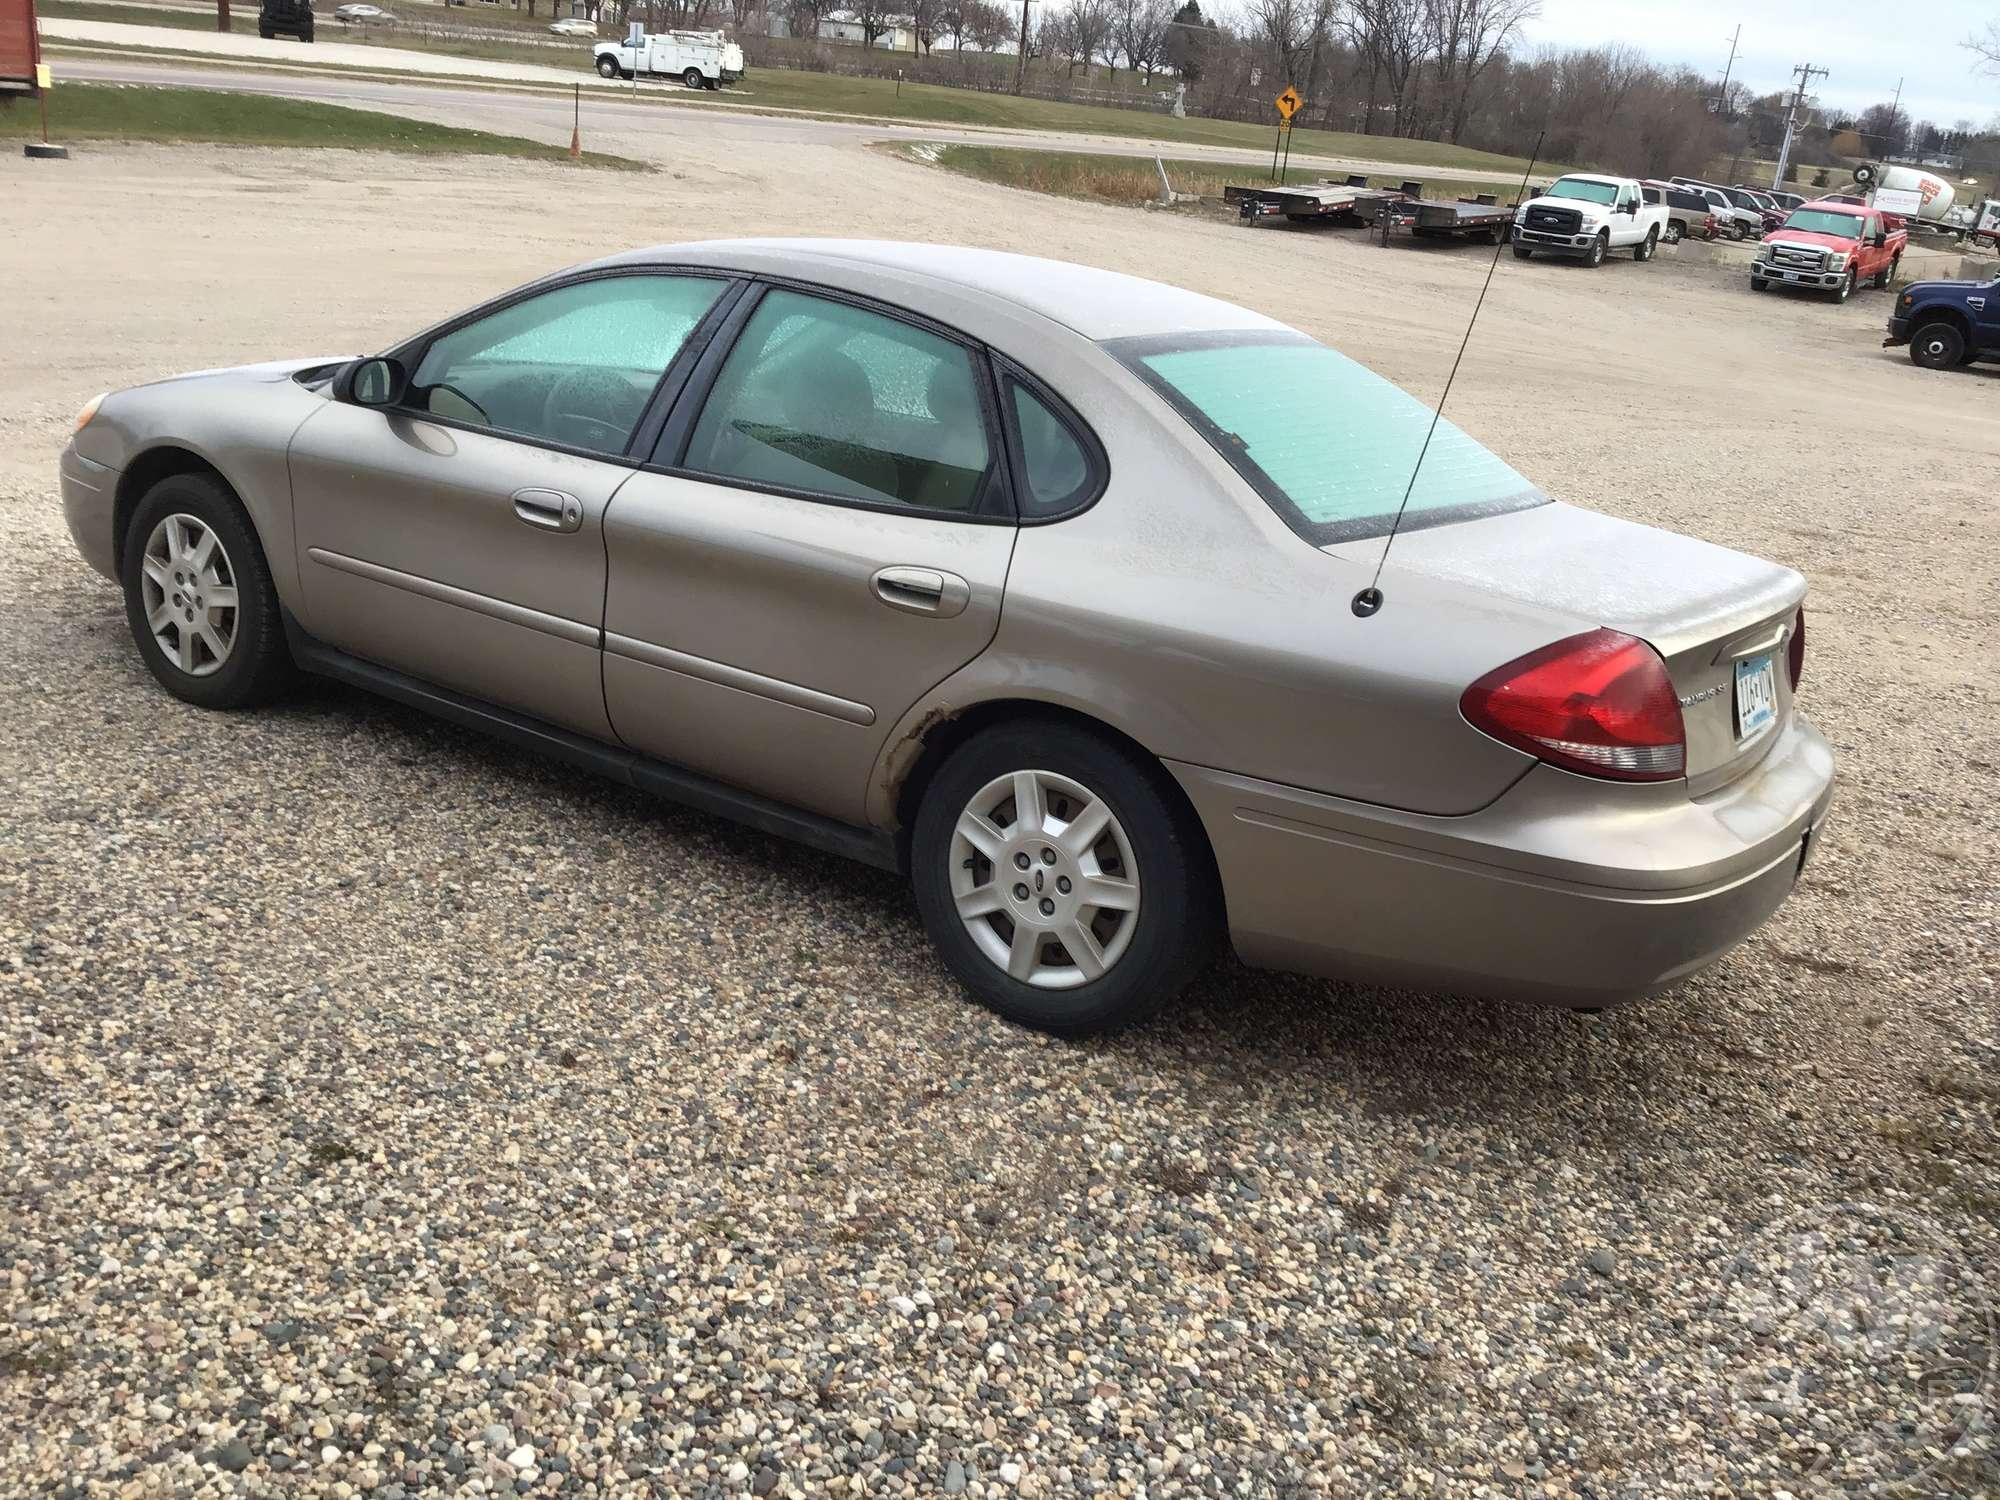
(89, 410)
(1836, 262)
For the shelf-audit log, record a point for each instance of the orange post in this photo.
(576, 125)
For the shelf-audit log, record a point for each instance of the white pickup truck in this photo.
(1587, 217)
(699, 59)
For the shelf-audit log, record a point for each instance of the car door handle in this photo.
(551, 510)
(922, 591)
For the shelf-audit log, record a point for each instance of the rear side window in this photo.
(1330, 445)
(1055, 470)
(833, 399)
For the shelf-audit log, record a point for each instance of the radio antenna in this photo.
(1369, 599)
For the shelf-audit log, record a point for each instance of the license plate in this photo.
(1756, 695)
(1791, 275)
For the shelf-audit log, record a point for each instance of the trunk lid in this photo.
(1704, 608)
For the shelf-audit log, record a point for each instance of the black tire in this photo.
(1887, 274)
(692, 78)
(306, 35)
(264, 32)
(1599, 247)
(1937, 346)
(1846, 288)
(1644, 252)
(1757, 285)
(1524, 252)
(259, 662)
(607, 67)
(1179, 906)
(1674, 232)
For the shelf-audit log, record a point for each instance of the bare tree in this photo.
(874, 18)
(1284, 27)
(1139, 28)
(1396, 35)
(987, 25)
(1466, 36)
(1077, 32)
(1986, 47)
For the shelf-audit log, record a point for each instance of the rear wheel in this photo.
(1937, 346)
(1888, 273)
(1644, 250)
(1059, 880)
(199, 597)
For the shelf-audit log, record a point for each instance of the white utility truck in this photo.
(699, 59)
(1587, 216)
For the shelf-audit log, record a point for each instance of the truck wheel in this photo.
(1595, 256)
(1937, 346)
(1759, 285)
(1674, 231)
(1645, 251)
(1523, 252)
(692, 78)
(1888, 273)
(607, 67)
(1846, 288)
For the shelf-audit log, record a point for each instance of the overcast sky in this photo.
(1866, 46)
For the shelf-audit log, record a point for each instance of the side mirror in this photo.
(371, 382)
(1881, 237)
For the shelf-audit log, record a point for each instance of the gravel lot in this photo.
(385, 1113)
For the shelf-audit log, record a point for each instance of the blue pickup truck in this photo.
(1947, 323)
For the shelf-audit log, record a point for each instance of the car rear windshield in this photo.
(1583, 189)
(1819, 221)
(1330, 445)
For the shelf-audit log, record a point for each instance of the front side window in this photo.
(833, 399)
(1329, 444)
(574, 366)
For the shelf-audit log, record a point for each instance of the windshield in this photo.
(1329, 444)
(1819, 221)
(1582, 189)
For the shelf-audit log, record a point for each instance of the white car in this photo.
(1587, 216)
(574, 26)
(364, 15)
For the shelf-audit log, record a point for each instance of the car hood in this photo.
(1915, 288)
(269, 370)
(1672, 590)
(1811, 237)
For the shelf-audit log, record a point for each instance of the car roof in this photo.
(1096, 303)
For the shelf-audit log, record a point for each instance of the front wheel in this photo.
(1644, 251)
(692, 78)
(1846, 288)
(607, 67)
(1060, 881)
(199, 596)
(1937, 346)
(1524, 252)
(1595, 256)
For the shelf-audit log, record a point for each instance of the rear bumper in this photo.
(90, 498)
(1565, 891)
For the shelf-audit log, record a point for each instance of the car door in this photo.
(823, 534)
(459, 536)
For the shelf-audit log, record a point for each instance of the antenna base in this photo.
(1367, 601)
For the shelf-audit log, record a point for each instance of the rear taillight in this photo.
(1795, 649)
(1599, 703)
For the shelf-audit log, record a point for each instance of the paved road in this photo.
(612, 121)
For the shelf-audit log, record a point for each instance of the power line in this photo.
(1806, 74)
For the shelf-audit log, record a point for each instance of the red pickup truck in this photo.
(1825, 246)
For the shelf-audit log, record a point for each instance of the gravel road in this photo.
(385, 1113)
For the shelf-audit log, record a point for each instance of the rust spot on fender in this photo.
(902, 757)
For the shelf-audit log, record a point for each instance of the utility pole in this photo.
(1722, 102)
(1807, 73)
(1894, 114)
(1021, 58)
(221, 15)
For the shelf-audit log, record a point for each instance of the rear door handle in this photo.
(551, 510)
(922, 591)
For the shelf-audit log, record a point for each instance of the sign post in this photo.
(1288, 105)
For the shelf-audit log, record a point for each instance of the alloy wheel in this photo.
(189, 592)
(1044, 880)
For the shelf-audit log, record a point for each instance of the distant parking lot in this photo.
(384, 1110)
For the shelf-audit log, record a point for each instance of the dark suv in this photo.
(294, 17)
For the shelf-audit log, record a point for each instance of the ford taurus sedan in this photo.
(1034, 581)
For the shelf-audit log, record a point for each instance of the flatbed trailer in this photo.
(1351, 203)
(1482, 218)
